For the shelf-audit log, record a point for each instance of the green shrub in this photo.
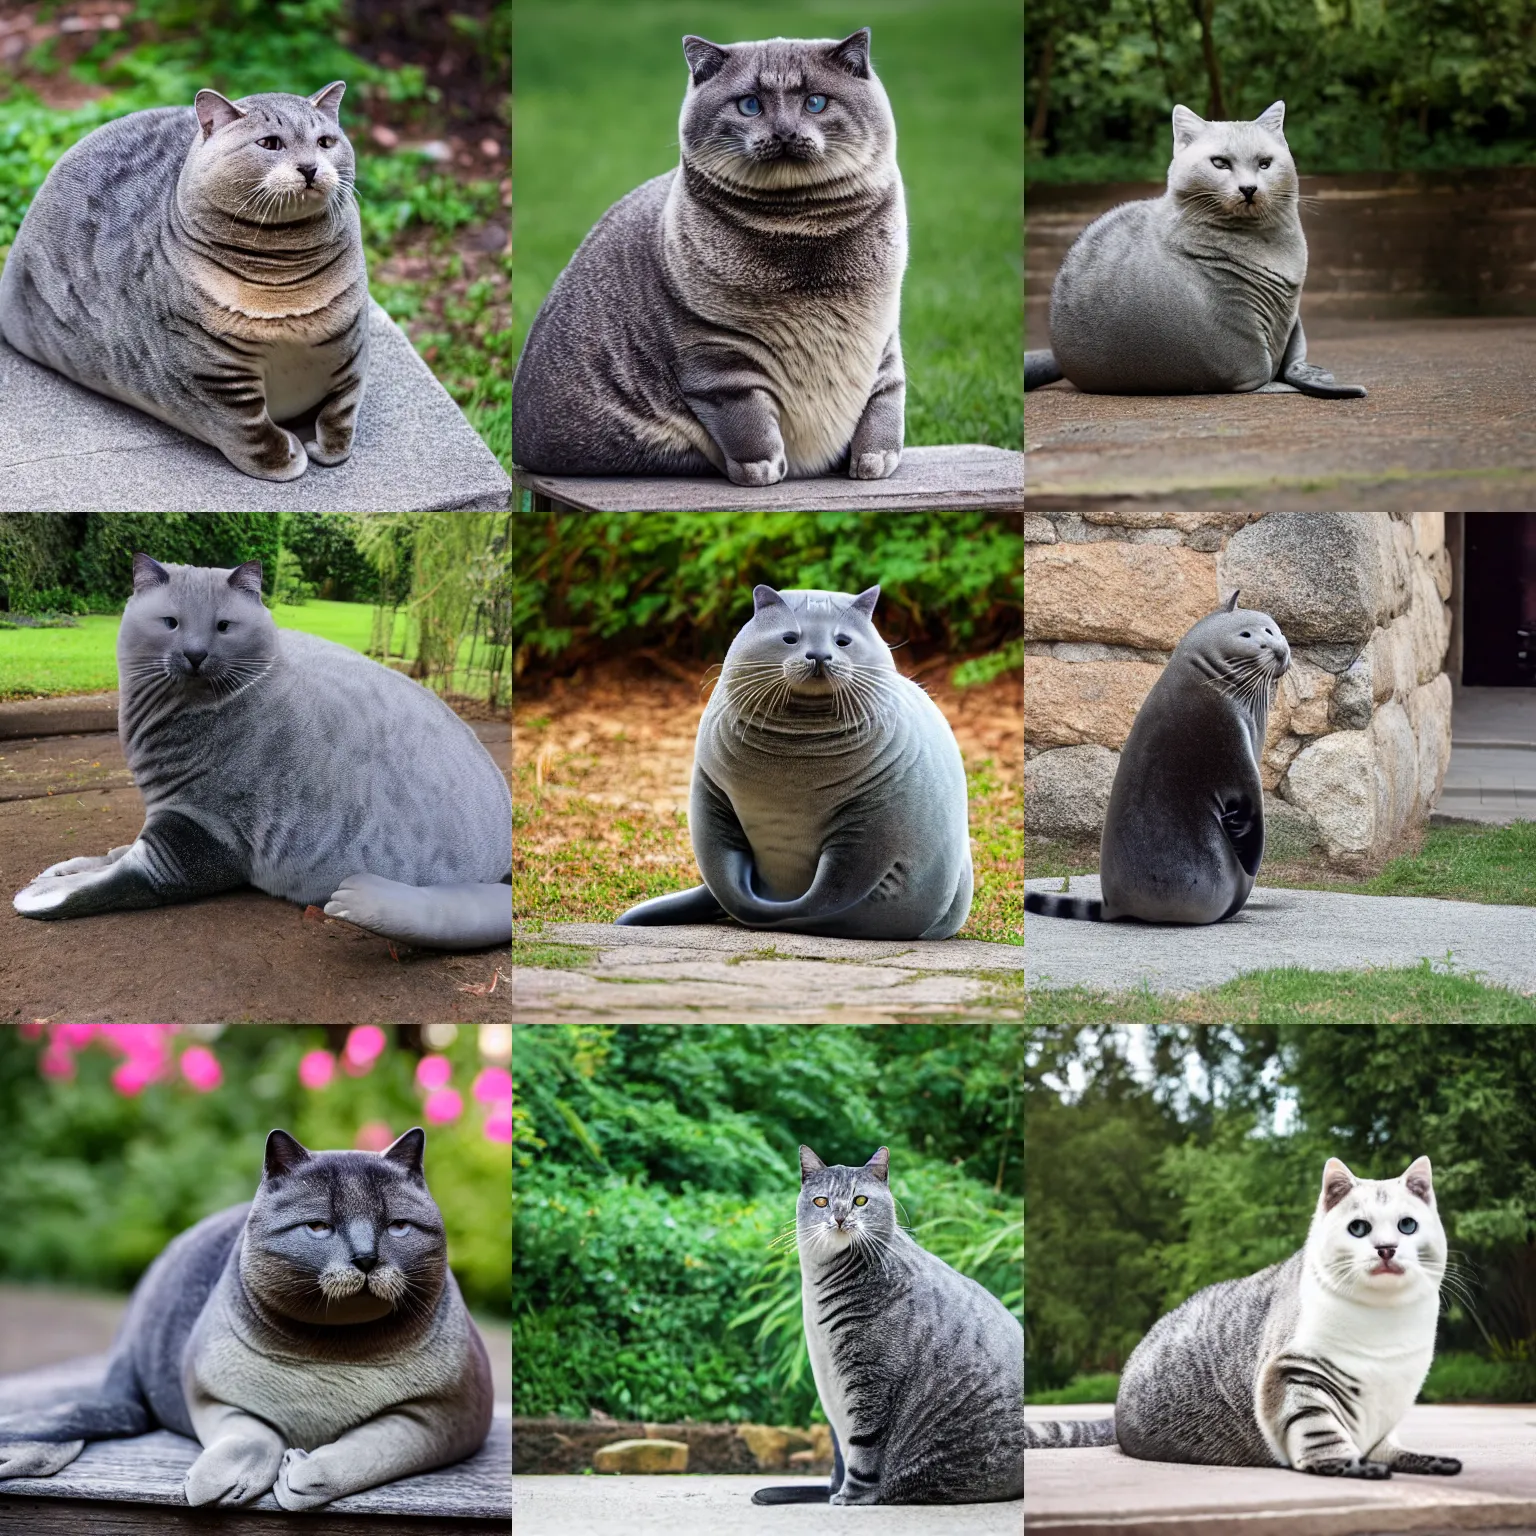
(104, 563)
(1100, 1388)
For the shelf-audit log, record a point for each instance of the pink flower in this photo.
(433, 1072)
(132, 1076)
(493, 1086)
(74, 1037)
(316, 1069)
(443, 1105)
(201, 1068)
(373, 1136)
(32, 1031)
(362, 1049)
(499, 1126)
(57, 1063)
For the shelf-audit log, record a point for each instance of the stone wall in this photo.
(1360, 730)
(548, 1445)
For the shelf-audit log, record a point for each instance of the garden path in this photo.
(1321, 930)
(1443, 429)
(1491, 776)
(1078, 1492)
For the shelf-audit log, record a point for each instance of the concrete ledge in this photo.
(956, 477)
(76, 716)
(68, 449)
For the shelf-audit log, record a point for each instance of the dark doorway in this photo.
(1498, 606)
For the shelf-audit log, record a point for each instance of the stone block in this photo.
(1352, 703)
(1429, 713)
(1302, 701)
(1428, 532)
(1068, 704)
(1066, 792)
(1332, 780)
(80, 714)
(1157, 517)
(1439, 565)
(1144, 595)
(1390, 659)
(1396, 770)
(1279, 750)
(1430, 625)
(1289, 833)
(1039, 530)
(768, 1443)
(641, 1456)
(68, 449)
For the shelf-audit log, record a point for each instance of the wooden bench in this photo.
(953, 478)
(129, 1486)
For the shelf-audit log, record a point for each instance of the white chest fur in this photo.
(818, 1344)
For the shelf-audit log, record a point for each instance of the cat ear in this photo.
(1230, 606)
(1418, 1180)
(215, 111)
(1187, 127)
(247, 578)
(880, 1164)
(865, 602)
(148, 573)
(406, 1150)
(852, 55)
(284, 1154)
(328, 101)
(766, 597)
(810, 1163)
(1337, 1182)
(1273, 118)
(705, 59)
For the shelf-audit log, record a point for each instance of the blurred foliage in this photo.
(655, 1164)
(588, 584)
(1142, 1189)
(1368, 84)
(95, 1183)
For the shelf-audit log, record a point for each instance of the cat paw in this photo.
(879, 465)
(362, 899)
(758, 471)
(76, 866)
(302, 1483)
(47, 896)
(231, 1471)
(38, 1458)
(318, 455)
(272, 462)
(1345, 1466)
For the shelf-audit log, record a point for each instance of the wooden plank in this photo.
(79, 1517)
(956, 477)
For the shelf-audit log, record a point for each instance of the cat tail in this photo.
(797, 1493)
(39, 1441)
(430, 916)
(1040, 368)
(1048, 904)
(1068, 1434)
(693, 906)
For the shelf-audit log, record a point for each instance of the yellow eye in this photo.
(819, 1200)
(861, 1199)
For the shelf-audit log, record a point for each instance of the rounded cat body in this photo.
(1198, 291)
(739, 313)
(828, 794)
(205, 264)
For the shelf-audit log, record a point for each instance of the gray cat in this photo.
(205, 264)
(740, 313)
(314, 1341)
(1309, 1364)
(829, 793)
(1197, 291)
(273, 758)
(920, 1371)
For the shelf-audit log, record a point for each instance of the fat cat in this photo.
(1309, 1364)
(739, 313)
(1197, 291)
(920, 1370)
(277, 759)
(313, 1341)
(205, 264)
(828, 791)
(1184, 834)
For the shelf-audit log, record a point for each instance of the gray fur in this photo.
(1309, 1364)
(1197, 291)
(312, 1364)
(1184, 834)
(273, 758)
(829, 793)
(173, 262)
(741, 312)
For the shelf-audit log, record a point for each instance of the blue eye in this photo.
(815, 103)
(749, 106)
(1407, 1225)
(1358, 1228)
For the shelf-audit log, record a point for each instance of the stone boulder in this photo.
(1066, 792)
(1141, 595)
(1289, 833)
(641, 1456)
(1067, 704)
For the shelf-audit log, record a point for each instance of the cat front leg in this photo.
(1391, 1454)
(241, 1454)
(337, 418)
(875, 450)
(859, 1482)
(728, 396)
(1296, 371)
(1308, 1406)
(390, 1446)
(245, 434)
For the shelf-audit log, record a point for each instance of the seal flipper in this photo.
(1243, 823)
(691, 906)
(1041, 368)
(1296, 371)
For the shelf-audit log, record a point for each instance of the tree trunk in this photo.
(1204, 10)
(1043, 90)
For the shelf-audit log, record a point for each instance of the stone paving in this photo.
(707, 973)
(1492, 772)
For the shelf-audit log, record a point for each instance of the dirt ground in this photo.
(236, 958)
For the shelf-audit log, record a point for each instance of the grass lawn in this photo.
(596, 96)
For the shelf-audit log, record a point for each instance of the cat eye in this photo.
(270, 142)
(749, 106)
(169, 623)
(861, 1199)
(1264, 165)
(1245, 635)
(1407, 1225)
(326, 142)
(819, 1200)
(843, 639)
(815, 103)
(790, 639)
(1358, 1228)
(1221, 162)
(399, 1228)
(222, 625)
(319, 1228)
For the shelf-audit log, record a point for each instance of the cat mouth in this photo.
(1386, 1267)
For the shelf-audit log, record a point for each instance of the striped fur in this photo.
(1068, 1434)
(1049, 904)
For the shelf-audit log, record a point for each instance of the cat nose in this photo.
(308, 173)
(1385, 1252)
(818, 655)
(1248, 193)
(195, 659)
(365, 1261)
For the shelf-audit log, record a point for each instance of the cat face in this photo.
(842, 1207)
(270, 159)
(196, 629)
(812, 653)
(344, 1237)
(1242, 649)
(1242, 172)
(784, 113)
(1377, 1240)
